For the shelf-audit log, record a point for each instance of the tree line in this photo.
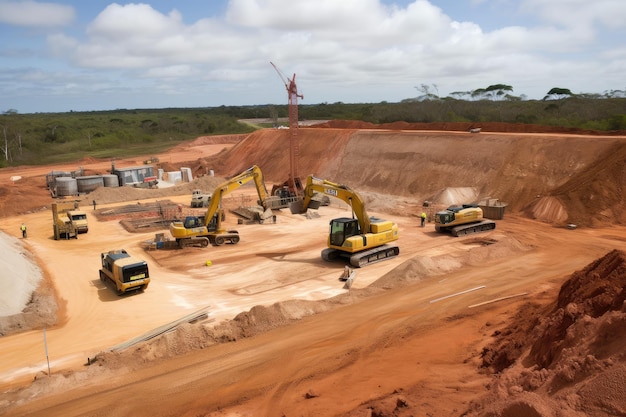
(505, 92)
(44, 138)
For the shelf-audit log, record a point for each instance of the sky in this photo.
(86, 55)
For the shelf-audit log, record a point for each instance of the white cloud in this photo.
(341, 50)
(579, 14)
(122, 23)
(138, 36)
(35, 14)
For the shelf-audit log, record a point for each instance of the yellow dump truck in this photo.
(68, 220)
(124, 271)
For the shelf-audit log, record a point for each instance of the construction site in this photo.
(525, 317)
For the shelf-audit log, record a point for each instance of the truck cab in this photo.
(79, 219)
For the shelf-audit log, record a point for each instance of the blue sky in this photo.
(80, 55)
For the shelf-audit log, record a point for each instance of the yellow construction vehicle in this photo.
(202, 230)
(68, 220)
(362, 239)
(124, 271)
(462, 220)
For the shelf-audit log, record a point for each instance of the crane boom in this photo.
(294, 184)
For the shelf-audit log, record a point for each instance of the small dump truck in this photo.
(68, 220)
(127, 273)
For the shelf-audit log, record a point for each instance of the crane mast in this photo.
(293, 184)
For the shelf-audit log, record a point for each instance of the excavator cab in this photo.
(343, 228)
(445, 217)
(191, 222)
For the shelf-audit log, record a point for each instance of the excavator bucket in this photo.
(297, 207)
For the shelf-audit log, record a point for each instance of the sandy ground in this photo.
(283, 336)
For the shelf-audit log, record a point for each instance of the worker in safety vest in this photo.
(423, 216)
(23, 228)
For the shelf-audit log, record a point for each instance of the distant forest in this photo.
(44, 138)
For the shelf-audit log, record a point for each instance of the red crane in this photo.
(293, 186)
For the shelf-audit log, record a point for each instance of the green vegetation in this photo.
(58, 137)
(44, 138)
(577, 112)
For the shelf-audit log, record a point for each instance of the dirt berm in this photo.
(572, 179)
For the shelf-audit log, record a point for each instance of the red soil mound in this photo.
(565, 362)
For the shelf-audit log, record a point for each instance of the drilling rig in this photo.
(292, 188)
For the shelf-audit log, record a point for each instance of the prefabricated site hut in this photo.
(137, 176)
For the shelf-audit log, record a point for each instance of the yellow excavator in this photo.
(462, 220)
(362, 239)
(202, 230)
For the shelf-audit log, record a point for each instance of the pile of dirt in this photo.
(547, 209)
(109, 195)
(566, 361)
(189, 337)
(421, 267)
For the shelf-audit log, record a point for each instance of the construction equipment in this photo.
(362, 239)
(291, 189)
(124, 271)
(462, 220)
(68, 220)
(199, 199)
(202, 230)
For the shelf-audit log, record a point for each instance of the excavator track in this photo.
(199, 241)
(230, 237)
(468, 229)
(364, 258)
(368, 257)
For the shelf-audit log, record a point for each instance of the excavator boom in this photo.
(342, 192)
(200, 231)
(252, 173)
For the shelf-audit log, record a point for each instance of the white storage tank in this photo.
(66, 186)
(89, 183)
(111, 180)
